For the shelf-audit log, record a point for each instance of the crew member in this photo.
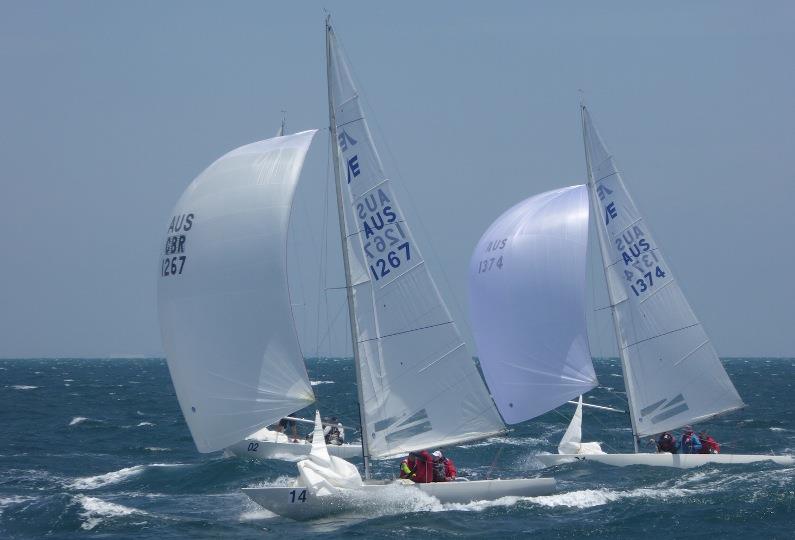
(443, 468)
(333, 432)
(282, 426)
(666, 443)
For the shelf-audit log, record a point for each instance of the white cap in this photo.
(438, 453)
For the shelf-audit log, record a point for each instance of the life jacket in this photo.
(709, 445)
(691, 444)
(449, 469)
(423, 472)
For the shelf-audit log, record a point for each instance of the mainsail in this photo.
(419, 386)
(527, 304)
(672, 373)
(223, 299)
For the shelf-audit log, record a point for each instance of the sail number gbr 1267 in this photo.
(176, 243)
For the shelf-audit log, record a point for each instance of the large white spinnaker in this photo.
(225, 316)
(419, 385)
(527, 304)
(672, 372)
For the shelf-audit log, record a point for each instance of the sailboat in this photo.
(230, 338)
(672, 374)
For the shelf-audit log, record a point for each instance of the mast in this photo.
(605, 261)
(344, 242)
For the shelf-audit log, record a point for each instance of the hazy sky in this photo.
(109, 110)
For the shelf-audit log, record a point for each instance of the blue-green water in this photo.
(99, 448)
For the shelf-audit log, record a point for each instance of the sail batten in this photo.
(419, 387)
(672, 372)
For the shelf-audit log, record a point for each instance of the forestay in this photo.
(527, 304)
(223, 299)
(672, 372)
(420, 388)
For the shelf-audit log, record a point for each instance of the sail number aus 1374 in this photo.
(495, 261)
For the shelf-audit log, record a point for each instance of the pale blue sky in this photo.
(108, 110)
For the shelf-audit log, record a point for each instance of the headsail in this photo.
(672, 373)
(419, 385)
(527, 304)
(225, 314)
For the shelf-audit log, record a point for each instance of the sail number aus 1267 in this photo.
(380, 268)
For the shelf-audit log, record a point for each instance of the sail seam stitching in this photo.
(660, 335)
(349, 122)
(407, 332)
(691, 353)
(606, 177)
(445, 355)
(656, 291)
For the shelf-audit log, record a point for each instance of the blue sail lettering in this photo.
(610, 211)
(378, 225)
(372, 206)
(353, 168)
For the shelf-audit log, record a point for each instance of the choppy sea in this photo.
(99, 448)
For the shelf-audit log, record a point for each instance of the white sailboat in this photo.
(671, 371)
(231, 343)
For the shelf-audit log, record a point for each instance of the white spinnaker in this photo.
(420, 386)
(225, 315)
(673, 374)
(527, 304)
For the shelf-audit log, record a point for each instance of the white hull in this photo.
(296, 502)
(289, 451)
(681, 461)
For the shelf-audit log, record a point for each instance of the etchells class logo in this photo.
(176, 242)
(403, 429)
(665, 408)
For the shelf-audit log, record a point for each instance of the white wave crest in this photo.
(142, 424)
(514, 441)
(587, 498)
(157, 449)
(315, 383)
(14, 499)
(114, 477)
(96, 510)
(77, 420)
(23, 387)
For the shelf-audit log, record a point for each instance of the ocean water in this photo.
(98, 448)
